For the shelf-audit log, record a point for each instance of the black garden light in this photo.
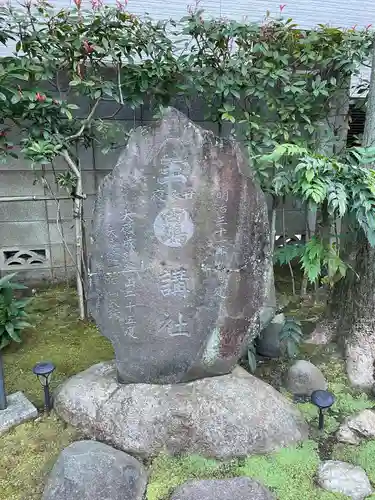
(323, 400)
(44, 372)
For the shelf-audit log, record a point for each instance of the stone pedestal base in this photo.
(223, 417)
(19, 410)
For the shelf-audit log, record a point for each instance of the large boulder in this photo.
(304, 378)
(227, 416)
(341, 477)
(239, 488)
(180, 254)
(88, 470)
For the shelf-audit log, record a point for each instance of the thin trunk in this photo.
(310, 231)
(289, 263)
(273, 226)
(77, 214)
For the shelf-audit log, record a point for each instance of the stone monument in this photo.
(179, 254)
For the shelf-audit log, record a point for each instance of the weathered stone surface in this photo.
(268, 310)
(225, 416)
(340, 477)
(268, 343)
(360, 358)
(239, 488)
(304, 378)
(322, 334)
(88, 470)
(346, 435)
(19, 410)
(356, 427)
(180, 254)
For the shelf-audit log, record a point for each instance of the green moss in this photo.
(289, 473)
(310, 414)
(29, 451)
(169, 472)
(57, 335)
(347, 404)
(27, 454)
(362, 455)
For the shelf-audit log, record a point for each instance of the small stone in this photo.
(19, 409)
(268, 343)
(341, 477)
(346, 435)
(321, 335)
(222, 417)
(304, 378)
(239, 488)
(89, 470)
(363, 424)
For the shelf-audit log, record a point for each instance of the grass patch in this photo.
(167, 473)
(58, 336)
(289, 473)
(28, 452)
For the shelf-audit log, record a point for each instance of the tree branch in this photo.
(85, 123)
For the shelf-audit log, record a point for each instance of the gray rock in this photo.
(88, 470)
(304, 378)
(346, 435)
(268, 343)
(239, 488)
(340, 477)
(226, 416)
(268, 310)
(322, 334)
(180, 254)
(357, 427)
(363, 423)
(360, 359)
(19, 409)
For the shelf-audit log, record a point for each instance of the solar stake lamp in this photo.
(323, 400)
(44, 372)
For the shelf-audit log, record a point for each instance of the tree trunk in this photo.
(353, 299)
(77, 214)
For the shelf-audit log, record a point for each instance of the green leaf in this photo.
(20, 325)
(9, 327)
(4, 341)
(309, 175)
(6, 279)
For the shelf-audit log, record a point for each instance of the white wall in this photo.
(306, 13)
